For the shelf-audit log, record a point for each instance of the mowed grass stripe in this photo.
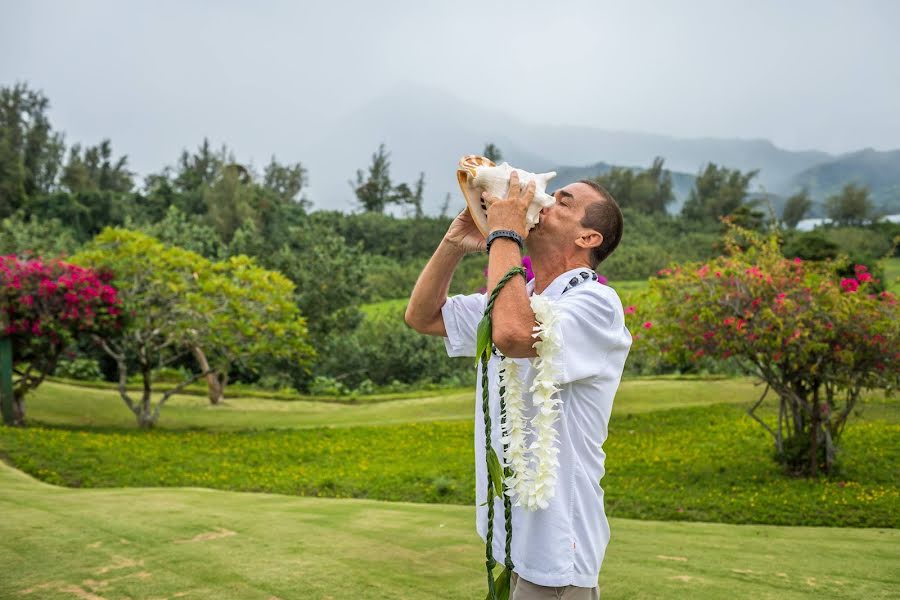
(59, 404)
(709, 463)
(57, 543)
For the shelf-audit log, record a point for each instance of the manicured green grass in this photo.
(59, 404)
(58, 543)
(704, 463)
(892, 274)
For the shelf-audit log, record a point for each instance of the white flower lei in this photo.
(533, 482)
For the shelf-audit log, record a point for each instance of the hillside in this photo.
(878, 170)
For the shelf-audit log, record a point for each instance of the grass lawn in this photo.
(57, 543)
(675, 452)
(892, 274)
(64, 405)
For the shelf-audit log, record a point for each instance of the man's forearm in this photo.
(512, 317)
(423, 313)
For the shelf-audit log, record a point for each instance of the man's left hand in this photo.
(509, 213)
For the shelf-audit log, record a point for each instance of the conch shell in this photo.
(477, 174)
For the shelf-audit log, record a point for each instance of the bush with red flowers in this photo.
(815, 338)
(45, 307)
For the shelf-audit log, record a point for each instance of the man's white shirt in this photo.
(563, 544)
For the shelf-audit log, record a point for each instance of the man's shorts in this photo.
(520, 589)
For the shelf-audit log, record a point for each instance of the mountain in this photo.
(428, 130)
(880, 171)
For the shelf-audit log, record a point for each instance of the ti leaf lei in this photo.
(527, 473)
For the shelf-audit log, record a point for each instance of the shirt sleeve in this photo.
(593, 338)
(461, 317)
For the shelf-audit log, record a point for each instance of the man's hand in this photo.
(464, 235)
(510, 213)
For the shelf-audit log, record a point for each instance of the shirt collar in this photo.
(558, 285)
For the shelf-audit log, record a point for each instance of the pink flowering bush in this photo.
(45, 307)
(815, 339)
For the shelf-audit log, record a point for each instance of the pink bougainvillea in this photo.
(816, 338)
(46, 306)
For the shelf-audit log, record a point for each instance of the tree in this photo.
(231, 200)
(492, 153)
(817, 340)
(648, 191)
(795, 208)
(374, 189)
(718, 192)
(49, 306)
(178, 301)
(286, 182)
(851, 206)
(30, 152)
(326, 271)
(256, 322)
(95, 170)
(412, 197)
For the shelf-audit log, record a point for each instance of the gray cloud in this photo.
(266, 78)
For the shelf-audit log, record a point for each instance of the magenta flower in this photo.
(849, 284)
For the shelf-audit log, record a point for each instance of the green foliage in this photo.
(285, 181)
(646, 191)
(651, 242)
(34, 236)
(179, 302)
(692, 464)
(815, 339)
(82, 369)
(375, 191)
(326, 271)
(383, 349)
(796, 207)
(851, 206)
(96, 171)
(86, 213)
(30, 152)
(718, 192)
(178, 229)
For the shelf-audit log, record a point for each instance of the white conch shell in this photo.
(477, 174)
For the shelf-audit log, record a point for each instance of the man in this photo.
(557, 551)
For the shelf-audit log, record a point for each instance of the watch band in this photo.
(504, 233)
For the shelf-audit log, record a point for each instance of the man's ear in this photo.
(589, 238)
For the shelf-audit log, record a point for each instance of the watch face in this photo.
(465, 175)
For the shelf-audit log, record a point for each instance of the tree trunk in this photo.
(144, 414)
(814, 435)
(215, 388)
(18, 410)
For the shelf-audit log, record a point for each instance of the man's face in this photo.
(563, 219)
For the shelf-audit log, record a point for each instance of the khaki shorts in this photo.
(520, 589)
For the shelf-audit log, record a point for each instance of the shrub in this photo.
(815, 338)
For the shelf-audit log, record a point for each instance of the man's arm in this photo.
(512, 317)
(423, 313)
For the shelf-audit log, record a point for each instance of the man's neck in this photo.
(548, 268)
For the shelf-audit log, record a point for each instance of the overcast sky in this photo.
(156, 77)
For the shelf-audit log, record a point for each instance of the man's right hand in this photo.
(464, 235)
